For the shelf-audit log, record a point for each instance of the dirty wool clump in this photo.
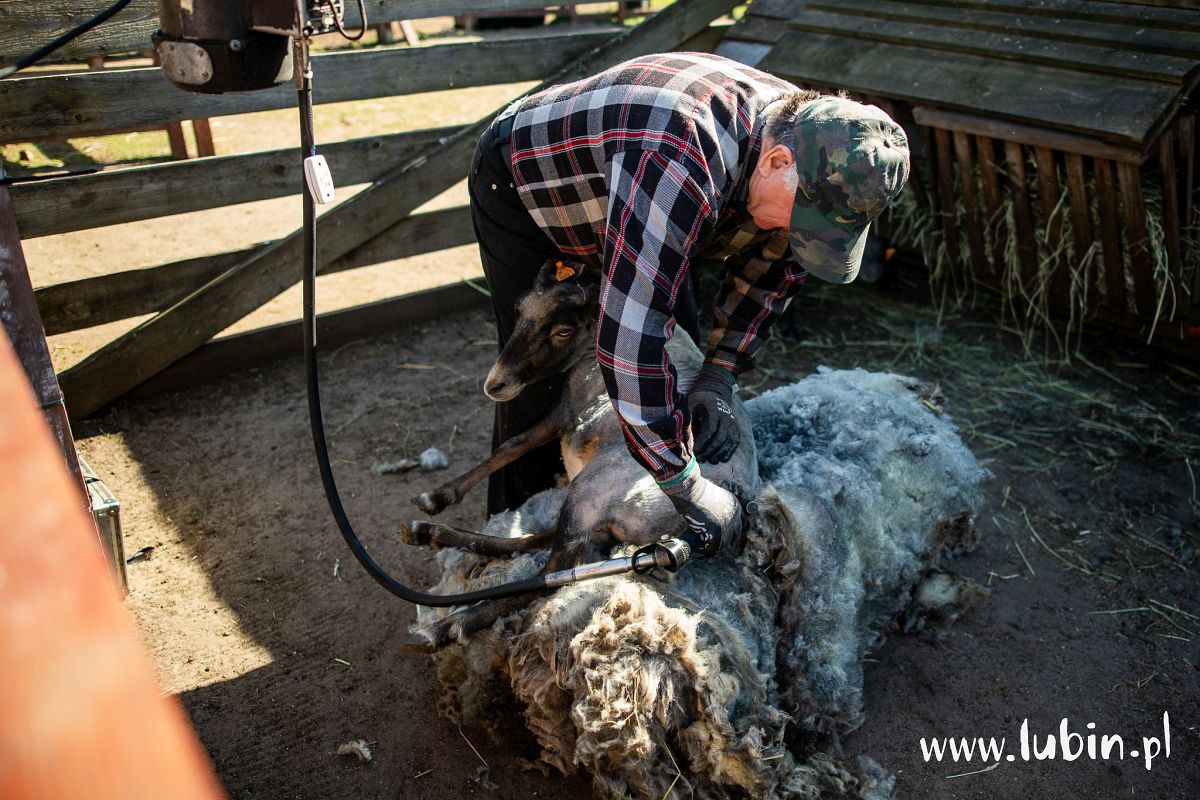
(736, 677)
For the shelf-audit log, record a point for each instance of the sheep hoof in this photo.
(433, 638)
(433, 503)
(416, 533)
(419, 642)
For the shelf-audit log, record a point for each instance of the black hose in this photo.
(534, 584)
(79, 30)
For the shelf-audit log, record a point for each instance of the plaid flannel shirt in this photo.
(635, 172)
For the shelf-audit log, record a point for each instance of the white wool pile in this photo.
(734, 678)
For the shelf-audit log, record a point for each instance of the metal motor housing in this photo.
(210, 46)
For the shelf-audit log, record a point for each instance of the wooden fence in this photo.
(193, 300)
(1056, 142)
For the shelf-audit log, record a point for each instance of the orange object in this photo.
(562, 271)
(80, 711)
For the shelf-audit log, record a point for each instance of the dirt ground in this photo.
(281, 648)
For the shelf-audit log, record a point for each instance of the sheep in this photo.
(738, 676)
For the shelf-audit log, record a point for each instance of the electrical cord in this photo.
(79, 30)
(337, 20)
(316, 419)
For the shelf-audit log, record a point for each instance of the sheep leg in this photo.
(450, 493)
(437, 536)
(567, 551)
(459, 626)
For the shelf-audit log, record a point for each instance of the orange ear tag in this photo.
(562, 271)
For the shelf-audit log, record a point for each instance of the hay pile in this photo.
(737, 677)
(1026, 299)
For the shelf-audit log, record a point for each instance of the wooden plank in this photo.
(26, 25)
(204, 138)
(58, 205)
(18, 313)
(774, 9)
(1025, 134)
(757, 29)
(1133, 208)
(176, 140)
(87, 102)
(258, 348)
(1143, 39)
(1054, 269)
(162, 340)
(1171, 228)
(1030, 94)
(1110, 240)
(707, 40)
(748, 53)
(946, 195)
(21, 328)
(993, 203)
(132, 293)
(1081, 219)
(932, 191)
(969, 191)
(1116, 12)
(1018, 189)
(1100, 59)
(1191, 210)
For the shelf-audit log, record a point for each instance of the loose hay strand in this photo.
(1025, 299)
(482, 760)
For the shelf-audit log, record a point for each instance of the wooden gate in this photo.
(195, 299)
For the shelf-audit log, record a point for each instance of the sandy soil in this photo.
(281, 648)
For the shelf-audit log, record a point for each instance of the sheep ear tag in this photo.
(562, 271)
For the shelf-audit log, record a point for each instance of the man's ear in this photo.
(774, 159)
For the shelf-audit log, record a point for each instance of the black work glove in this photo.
(715, 432)
(713, 515)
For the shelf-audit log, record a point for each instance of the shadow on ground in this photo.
(281, 648)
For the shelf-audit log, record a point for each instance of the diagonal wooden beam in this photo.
(153, 345)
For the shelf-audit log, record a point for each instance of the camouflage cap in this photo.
(852, 160)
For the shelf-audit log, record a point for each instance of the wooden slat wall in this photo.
(88, 102)
(1123, 11)
(59, 205)
(25, 24)
(72, 203)
(1101, 58)
(153, 345)
(1172, 40)
(106, 298)
(978, 85)
(1053, 116)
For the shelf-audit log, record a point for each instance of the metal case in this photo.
(107, 513)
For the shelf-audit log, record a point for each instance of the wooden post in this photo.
(1014, 157)
(150, 347)
(945, 181)
(1081, 218)
(993, 202)
(1054, 276)
(970, 195)
(1110, 240)
(1133, 207)
(19, 318)
(204, 138)
(1170, 199)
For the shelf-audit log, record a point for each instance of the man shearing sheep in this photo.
(636, 172)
